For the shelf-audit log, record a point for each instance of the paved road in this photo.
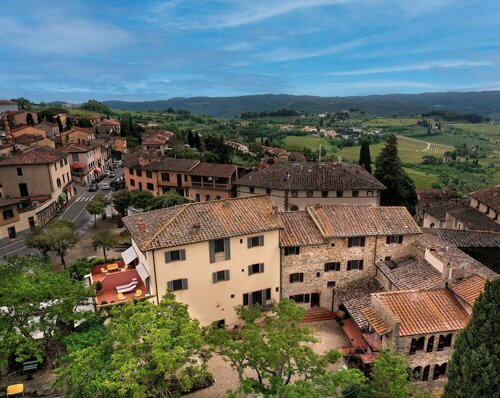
(74, 212)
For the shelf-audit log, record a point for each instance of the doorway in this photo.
(12, 232)
(315, 299)
(23, 189)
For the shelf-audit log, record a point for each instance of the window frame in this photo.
(291, 251)
(356, 241)
(296, 277)
(332, 266)
(393, 239)
(257, 268)
(173, 285)
(359, 264)
(180, 255)
(221, 276)
(255, 241)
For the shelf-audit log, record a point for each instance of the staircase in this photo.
(316, 314)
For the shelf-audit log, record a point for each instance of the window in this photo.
(259, 297)
(12, 232)
(207, 198)
(294, 207)
(330, 284)
(251, 189)
(197, 197)
(132, 182)
(139, 173)
(309, 194)
(295, 194)
(217, 197)
(425, 374)
(444, 341)
(255, 241)
(416, 372)
(165, 177)
(7, 214)
(354, 264)
(430, 344)
(177, 284)
(297, 277)
(369, 193)
(318, 274)
(131, 171)
(300, 298)
(439, 371)
(324, 194)
(175, 255)
(268, 191)
(64, 179)
(149, 174)
(19, 171)
(74, 156)
(357, 241)
(66, 161)
(185, 177)
(394, 239)
(150, 187)
(256, 268)
(61, 164)
(219, 250)
(292, 251)
(417, 345)
(340, 194)
(58, 181)
(220, 276)
(333, 266)
(355, 194)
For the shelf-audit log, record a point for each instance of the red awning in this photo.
(97, 170)
(78, 165)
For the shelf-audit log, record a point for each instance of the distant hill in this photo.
(485, 103)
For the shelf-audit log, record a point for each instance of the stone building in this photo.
(487, 201)
(293, 186)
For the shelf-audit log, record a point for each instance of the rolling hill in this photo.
(485, 103)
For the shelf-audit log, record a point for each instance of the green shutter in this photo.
(261, 240)
(250, 270)
(211, 248)
(249, 243)
(182, 254)
(167, 257)
(214, 277)
(261, 267)
(184, 284)
(170, 286)
(227, 249)
(226, 275)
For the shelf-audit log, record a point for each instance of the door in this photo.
(23, 189)
(315, 299)
(31, 222)
(179, 180)
(12, 232)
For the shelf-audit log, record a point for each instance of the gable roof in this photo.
(489, 196)
(423, 311)
(109, 122)
(299, 229)
(464, 238)
(470, 288)
(440, 211)
(73, 147)
(340, 221)
(312, 176)
(410, 273)
(171, 164)
(214, 170)
(202, 221)
(474, 219)
(35, 155)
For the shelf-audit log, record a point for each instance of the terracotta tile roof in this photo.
(489, 196)
(171, 164)
(463, 238)
(35, 155)
(423, 311)
(299, 229)
(312, 176)
(432, 197)
(8, 202)
(198, 222)
(410, 273)
(109, 122)
(440, 211)
(356, 296)
(214, 170)
(74, 147)
(51, 124)
(469, 289)
(474, 219)
(154, 141)
(7, 102)
(376, 321)
(345, 221)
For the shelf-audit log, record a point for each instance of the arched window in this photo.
(439, 371)
(417, 372)
(425, 374)
(430, 344)
(432, 225)
(417, 345)
(58, 183)
(447, 340)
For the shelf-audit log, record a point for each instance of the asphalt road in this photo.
(74, 212)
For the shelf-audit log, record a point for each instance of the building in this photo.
(213, 255)
(294, 186)
(12, 221)
(51, 129)
(6, 106)
(79, 135)
(40, 178)
(470, 218)
(435, 216)
(329, 246)
(487, 201)
(237, 146)
(190, 178)
(87, 161)
(155, 144)
(20, 117)
(109, 126)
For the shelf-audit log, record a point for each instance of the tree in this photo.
(84, 122)
(38, 309)
(97, 206)
(39, 239)
(197, 141)
(61, 237)
(59, 123)
(105, 239)
(69, 122)
(474, 368)
(390, 376)
(122, 200)
(95, 106)
(274, 350)
(145, 350)
(365, 159)
(389, 171)
(168, 199)
(29, 119)
(141, 199)
(190, 138)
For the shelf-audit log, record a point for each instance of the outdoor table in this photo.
(112, 267)
(14, 389)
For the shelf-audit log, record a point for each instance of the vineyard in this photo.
(411, 144)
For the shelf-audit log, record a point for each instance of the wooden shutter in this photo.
(214, 277)
(167, 257)
(360, 264)
(413, 346)
(245, 299)
(349, 242)
(249, 243)
(226, 275)
(441, 343)
(349, 265)
(261, 240)
(430, 344)
(301, 277)
(182, 254)
(337, 267)
(291, 278)
(362, 241)
(387, 239)
(184, 284)
(261, 267)
(227, 249)
(435, 375)
(211, 249)
(250, 270)
(400, 239)
(170, 286)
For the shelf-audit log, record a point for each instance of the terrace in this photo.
(119, 282)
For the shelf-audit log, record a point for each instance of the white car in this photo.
(105, 186)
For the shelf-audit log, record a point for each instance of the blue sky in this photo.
(74, 50)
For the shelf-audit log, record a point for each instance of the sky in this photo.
(75, 50)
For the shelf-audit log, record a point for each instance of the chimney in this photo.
(141, 225)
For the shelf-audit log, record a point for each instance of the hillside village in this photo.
(368, 276)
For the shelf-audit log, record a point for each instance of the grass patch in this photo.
(422, 179)
(296, 143)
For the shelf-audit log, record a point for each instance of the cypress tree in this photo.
(365, 159)
(389, 171)
(474, 368)
(190, 138)
(197, 141)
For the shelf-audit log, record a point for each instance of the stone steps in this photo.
(317, 314)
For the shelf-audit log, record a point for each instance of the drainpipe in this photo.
(156, 277)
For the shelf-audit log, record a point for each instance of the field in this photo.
(422, 179)
(483, 129)
(411, 144)
(296, 143)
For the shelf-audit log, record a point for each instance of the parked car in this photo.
(105, 186)
(111, 174)
(93, 187)
(118, 163)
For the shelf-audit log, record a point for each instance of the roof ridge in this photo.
(362, 177)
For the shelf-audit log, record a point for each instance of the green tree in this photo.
(61, 237)
(39, 239)
(168, 199)
(104, 239)
(474, 368)
(29, 120)
(389, 171)
(197, 141)
(275, 350)
(146, 351)
(97, 206)
(84, 122)
(122, 200)
(390, 376)
(365, 159)
(141, 199)
(95, 106)
(38, 309)
(190, 138)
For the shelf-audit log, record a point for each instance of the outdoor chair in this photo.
(104, 270)
(138, 293)
(121, 296)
